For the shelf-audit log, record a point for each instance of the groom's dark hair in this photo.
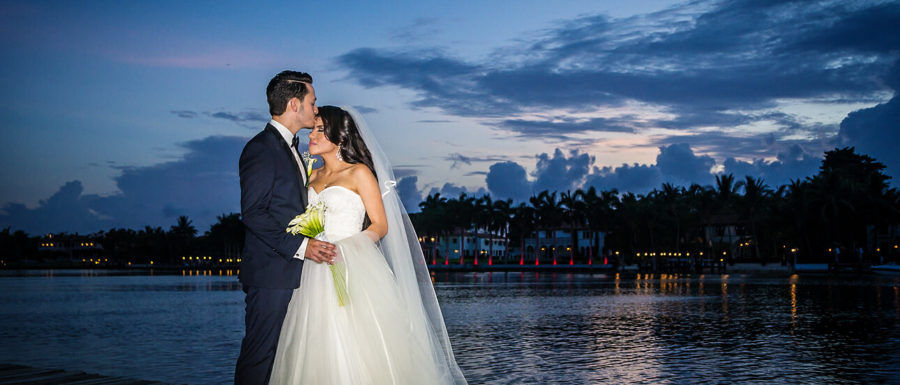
(283, 87)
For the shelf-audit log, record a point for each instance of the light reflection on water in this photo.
(507, 328)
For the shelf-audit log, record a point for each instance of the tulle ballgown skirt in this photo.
(374, 338)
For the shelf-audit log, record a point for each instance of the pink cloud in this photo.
(231, 58)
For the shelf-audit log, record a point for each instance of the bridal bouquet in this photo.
(312, 224)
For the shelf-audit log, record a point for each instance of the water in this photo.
(507, 328)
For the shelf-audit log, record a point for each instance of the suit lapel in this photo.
(290, 153)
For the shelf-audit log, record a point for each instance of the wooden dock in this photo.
(24, 375)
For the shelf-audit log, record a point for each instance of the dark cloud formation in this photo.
(409, 193)
(562, 173)
(507, 180)
(792, 164)
(636, 178)
(66, 210)
(201, 185)
(876, 131)
(679, 164)
(450, 190)
(706, 63)
(676, 164)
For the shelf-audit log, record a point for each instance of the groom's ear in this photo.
(293, 104)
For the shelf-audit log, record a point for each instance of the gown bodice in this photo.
(344, 211)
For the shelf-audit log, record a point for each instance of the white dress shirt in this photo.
(289, 138)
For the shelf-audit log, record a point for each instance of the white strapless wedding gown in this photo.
(369, 340)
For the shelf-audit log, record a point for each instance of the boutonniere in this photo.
(309, 165)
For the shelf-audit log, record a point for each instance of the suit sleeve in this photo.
(257, 181)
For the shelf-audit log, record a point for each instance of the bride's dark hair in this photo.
(341, 130)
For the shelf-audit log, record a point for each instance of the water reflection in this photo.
(661, 328)
(518, 327)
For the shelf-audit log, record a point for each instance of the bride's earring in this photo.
(339, 157)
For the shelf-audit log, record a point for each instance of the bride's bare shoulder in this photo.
(362, 175)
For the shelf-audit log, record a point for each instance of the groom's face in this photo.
(306, 116)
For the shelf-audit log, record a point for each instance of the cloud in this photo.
(365, 110)
(187, 114)
(420, 29)
(508, 180)
(876, 132)
(458, 159)
(562, 127)
(702, 64)
(409, 193)
(201, 185)
(241, 117)
(199, 57)
(450, 190)
(795, 163)
(65, 210)
(678, 164)
(403, 172)
(675, 163)
(636, 178)
(558, 172)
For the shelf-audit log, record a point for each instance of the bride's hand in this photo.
(319, 251)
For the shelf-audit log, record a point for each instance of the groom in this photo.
(273, 179)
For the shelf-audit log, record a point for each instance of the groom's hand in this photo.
(318, 251)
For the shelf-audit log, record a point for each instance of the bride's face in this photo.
(318, 143)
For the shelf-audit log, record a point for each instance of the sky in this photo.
(131, 114)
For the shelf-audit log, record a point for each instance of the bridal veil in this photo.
(404, 255)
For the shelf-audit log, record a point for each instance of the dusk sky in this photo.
(132, 113)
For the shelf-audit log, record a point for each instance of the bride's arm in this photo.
(367, 186)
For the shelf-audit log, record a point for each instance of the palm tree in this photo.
(549, 213)
(500, 217)
(670, 198)
(797, 205)
(227, 233)
(725, 192)
(755, 199)
(574, 215)
(461, 212)
(522, 223)
(481, 218)
(434, 222)
(600, 214)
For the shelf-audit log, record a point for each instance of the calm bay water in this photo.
(507, 328)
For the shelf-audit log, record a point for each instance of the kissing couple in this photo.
(355, 303)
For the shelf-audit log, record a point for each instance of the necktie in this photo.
(295, 143)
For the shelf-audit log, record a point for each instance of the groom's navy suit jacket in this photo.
(272, 193)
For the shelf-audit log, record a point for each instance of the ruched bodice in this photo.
(344, 211)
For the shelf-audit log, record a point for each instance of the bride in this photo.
(389, 330)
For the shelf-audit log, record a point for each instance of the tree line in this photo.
(848, 205)
(844, 207)
(179, 245)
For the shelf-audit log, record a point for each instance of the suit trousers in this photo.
(265, 310)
